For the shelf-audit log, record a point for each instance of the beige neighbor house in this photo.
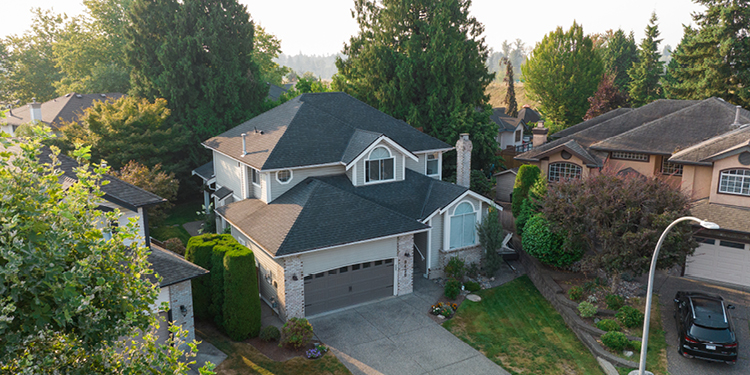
(340, 203)
(176, 273)
(53, 113)
(701, 145)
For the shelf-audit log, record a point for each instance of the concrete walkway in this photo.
(206, 353)
(193, 227)
(396, 336)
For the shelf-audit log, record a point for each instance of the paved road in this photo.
(395, 336)
(666, 286)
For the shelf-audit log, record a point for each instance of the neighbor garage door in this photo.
(346, 286)
(718, 260)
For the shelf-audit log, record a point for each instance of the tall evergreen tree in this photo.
(561, 73)
(198, 55)
(423, 61)
(511, 105)
(619, 53)
(714, 58)
(645, 74)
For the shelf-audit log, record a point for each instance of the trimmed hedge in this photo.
(550, 248)
(241, 301)
(217, 282)
(525, 179)
(198, 251)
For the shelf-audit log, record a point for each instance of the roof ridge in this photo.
(715, 139)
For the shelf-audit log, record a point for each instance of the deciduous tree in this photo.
(606, 98)
(266, 49)
(561, 73)
(646, 72)
(153, 180)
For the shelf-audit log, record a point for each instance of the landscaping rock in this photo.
(608, 368)
(628, 353)
(441, 317)
(474, 298)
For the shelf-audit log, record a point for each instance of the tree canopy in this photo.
(423, 62)
(647, 71)
(714, 58)
(619, 53)
(70, 297)
(562, 71)
(266, 48)
(606, 98)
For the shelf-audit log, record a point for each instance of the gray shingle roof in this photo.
(117, 191)
(222, 192)
(591, 122)
(205, 171)
(528, 115)
(703, 152)
(172, 267)
(504, 122)
(677, 130)
(731, 218)
(274, 92)
(312, 129)
(315, 214)
(59, 110)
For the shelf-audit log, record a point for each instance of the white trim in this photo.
(474, 195)
(440, 150)
(377, 143)
(274, 169)
(291, 176)
(403, 168)
(257, 172)
(354, 175)
(355, 243)
(440, 166)
(267, 176)
(429, 251)
(427, 159)
(477, 219)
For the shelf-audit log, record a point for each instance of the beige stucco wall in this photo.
(646, 168)
(731, 162)
(696, 181)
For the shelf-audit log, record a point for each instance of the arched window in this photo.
(463, 226)
(563, 171)
(735, 181)
(379, 166)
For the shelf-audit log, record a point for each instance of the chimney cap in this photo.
(464, 135)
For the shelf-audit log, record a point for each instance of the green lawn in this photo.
(243, 358)
(656, 361)
(172, 226)
(518, 329)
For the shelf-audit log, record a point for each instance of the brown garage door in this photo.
(348, 286)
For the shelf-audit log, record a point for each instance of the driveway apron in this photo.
(396, 336)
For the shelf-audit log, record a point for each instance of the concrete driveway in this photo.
(666, 286)
(396, 336)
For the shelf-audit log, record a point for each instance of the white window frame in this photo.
(474, 212)
(291, 175)
(255, 176)
(428, 160)
(669, 168)
(380, 166)
(634, 156)
(568, 166)
(740, 181)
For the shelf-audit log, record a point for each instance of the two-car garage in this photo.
(348, 285)
(720, 260)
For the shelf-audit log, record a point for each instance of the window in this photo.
(432, 165)
(708, 241)
(670, 168)
(518, 135)
(380, 165)
(735, 181)
(735, 245)
(463, 226)
(283, 177)
(629, 156)
(563, 170)
(255, 176)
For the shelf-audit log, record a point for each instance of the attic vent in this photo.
(79, 96)
(103, 95)
(67, 95)
(258, 131)
(744, 158)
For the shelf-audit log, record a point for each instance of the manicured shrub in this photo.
(296, 333)
(241, 302)
(615, 340)
(452, 288)
(608, 325)
(548, 247)
(586, 309)
(216, 310)
(635, 345)
(455, 268)
(527, 212)
(472, 286)
(199, 251)
(526, 177)
(629, 317)
(175, 245)
(614, 301)
(575, 293)
(270, 333)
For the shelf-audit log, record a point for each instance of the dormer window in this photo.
(284, 176)
(432, 165)
(379, 166)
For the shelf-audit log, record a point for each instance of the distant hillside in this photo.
(322, 66)
(497, 90)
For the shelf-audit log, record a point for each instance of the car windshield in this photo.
(711, 334)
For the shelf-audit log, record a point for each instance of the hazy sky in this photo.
(322, 27)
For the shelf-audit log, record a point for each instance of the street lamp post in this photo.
(644, 341)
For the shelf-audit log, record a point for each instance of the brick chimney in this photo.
(35, 109)
(463, 160)
(540, 134)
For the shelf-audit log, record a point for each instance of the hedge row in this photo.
(229, 294)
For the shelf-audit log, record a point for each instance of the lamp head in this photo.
(709, 225)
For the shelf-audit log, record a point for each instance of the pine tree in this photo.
(619, 53)
(423, 62)
(714, 58)
(511, 105)
(645, 74)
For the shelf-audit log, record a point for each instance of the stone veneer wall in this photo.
(567, 309)
(468, 254)
(181, 294)
(294, 290)
(405, 279)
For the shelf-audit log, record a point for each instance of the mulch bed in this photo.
(278, 353)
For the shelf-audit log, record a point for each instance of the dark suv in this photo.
(704, 327)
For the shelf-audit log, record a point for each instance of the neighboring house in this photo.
(510, 129)
(528, 115)
(275, 92)
(504, 184)
(175, 271)
(702, 145)
(340, 202)
(53, 113)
